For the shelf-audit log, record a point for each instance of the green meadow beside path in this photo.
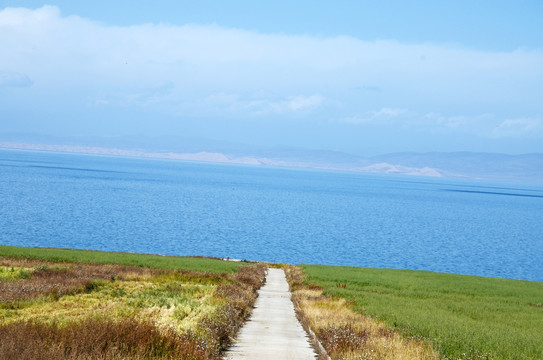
(463, 317)
(120, 258)
(53, 293)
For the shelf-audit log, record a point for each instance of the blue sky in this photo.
(356, 76)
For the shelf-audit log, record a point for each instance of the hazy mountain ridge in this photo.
(491, 166)
(476, 165)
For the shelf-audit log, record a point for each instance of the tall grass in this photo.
(10, 273)
(45, 278)
(64, 310)
(97, 339)
(464, 317)
(348, 335)
(220, 327)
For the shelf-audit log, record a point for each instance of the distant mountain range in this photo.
(488, 166)
(492, 166)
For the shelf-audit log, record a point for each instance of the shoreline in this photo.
(96, 254)
(220, 158)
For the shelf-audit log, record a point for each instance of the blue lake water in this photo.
(273, 214)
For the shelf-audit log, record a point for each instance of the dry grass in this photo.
(97, 339)
(349, 335)
(84, 311)
(59, 279)
(238, 299)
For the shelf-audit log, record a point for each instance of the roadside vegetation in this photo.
(80, 304)
(346, 334)
(461, 317)
(122, 258)
(79, 310)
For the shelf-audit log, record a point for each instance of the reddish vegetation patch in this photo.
(97, 339)
(129, 338)
(240, 296)
(50, 279)
(340, 339)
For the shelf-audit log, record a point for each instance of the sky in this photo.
(362, 77)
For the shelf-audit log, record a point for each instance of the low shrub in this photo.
(341, 339)
(58, 281)
(97, 339)
(98, 335)
(237, 300)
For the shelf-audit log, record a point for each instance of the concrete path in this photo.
(272, 332)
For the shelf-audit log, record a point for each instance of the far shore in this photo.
(216, 157)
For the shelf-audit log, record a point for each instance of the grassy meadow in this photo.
(67, 304)
(122, 258)
(461, 317)
(346, 334)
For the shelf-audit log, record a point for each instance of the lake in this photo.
(272, 214)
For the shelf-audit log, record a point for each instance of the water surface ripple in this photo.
(274, 214)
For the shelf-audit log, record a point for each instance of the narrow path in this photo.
(272, 332)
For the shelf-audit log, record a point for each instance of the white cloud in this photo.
(262, 105)
(483, 125)
(382, 116)
(14, 79)
(208, 70)
(477, 123)
(518, 128)
(388, 112)
(355, 120)
(229, 56)
(22, 17)
(297, 103)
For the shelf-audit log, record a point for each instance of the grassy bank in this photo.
(120, 258)
(463, 317)
(346, 334)
(135, 306)
(52, 307)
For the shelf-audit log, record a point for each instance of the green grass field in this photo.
(102, 257)
(464, 317)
